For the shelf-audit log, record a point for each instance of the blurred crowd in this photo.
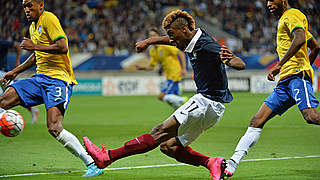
(112, 27)
(250, 20)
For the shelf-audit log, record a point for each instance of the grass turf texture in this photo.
(114, 120)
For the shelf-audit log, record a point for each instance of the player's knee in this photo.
(312, 118)
(167, 149)
(164, 148)
(3, 103)
(160, 97)
(158, 131)
(54, 129)
(255, 122)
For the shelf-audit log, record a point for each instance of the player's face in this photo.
(32, 9)
(153, 34)
(274, 6)
(177, 38)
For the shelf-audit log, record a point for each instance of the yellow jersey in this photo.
(288, 22)
(45, 32)
(167, 56)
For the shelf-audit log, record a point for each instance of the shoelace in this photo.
(103, 147)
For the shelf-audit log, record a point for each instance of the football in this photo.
(11, 123)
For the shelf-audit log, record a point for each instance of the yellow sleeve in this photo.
(53, 28)
(309, 36)
(294, 20)
(153, 59)
(173, 50)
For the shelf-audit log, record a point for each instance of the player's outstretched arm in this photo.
(146, 68)
(231, 60)
(11, 75)
(144, 44)
(18, 53)
(182, 60)
(315, 48)
(299, 39)
(58, 47)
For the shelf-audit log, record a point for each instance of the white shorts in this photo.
(196, 116)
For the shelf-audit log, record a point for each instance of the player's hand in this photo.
(139, 67)
(183, 72)
(142, 46)
(225, 55)
(8, 77)
(273, 72)
(27, 44)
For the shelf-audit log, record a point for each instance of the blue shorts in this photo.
(170, 87)
(296, 89)
(41, 89)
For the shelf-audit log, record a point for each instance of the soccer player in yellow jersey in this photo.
(52, 84)
(296, 74)
(173, 67)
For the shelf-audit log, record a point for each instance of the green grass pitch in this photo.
(114, 120)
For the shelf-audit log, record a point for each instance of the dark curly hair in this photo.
(178, 19)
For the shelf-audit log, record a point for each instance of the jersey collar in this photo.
(193, 41)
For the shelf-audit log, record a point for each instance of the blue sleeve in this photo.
(6, 43)
(212, 47)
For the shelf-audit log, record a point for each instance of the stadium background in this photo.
(102, 35)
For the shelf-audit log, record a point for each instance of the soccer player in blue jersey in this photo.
(296, 74)
(199, 113)
(5, 45)
(54, 79)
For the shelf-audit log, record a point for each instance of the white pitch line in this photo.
(154, 166)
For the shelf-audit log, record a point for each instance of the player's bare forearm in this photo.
(182, 59)
(231, 60)
(30, 62)
(18, 54)
(298, 41)
(146, 68)
(237, 63)
(143, 45)
(159, 40)
(59, 47)
(315, 48)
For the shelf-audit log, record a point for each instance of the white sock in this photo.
(72, 144)
(2, 110)
(248, 140)
(174, 100)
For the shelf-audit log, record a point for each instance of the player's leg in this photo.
(138, 145)
(34, 113)
(68, 140)
(302, 92)
(9, 99)
(56, 96)
(195, 116)
(250, 138)
(173, 148)
(311, 116)
(277, 102)
(185, 154)
(169, 93)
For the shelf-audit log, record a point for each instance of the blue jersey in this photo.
(4, 47)
(209, 71)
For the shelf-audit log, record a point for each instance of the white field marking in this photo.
(154, 166)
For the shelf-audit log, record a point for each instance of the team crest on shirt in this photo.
(195, 54)
(161, 53)
(40, 29)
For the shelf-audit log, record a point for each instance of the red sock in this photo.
(189, 156)
(137, 145)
